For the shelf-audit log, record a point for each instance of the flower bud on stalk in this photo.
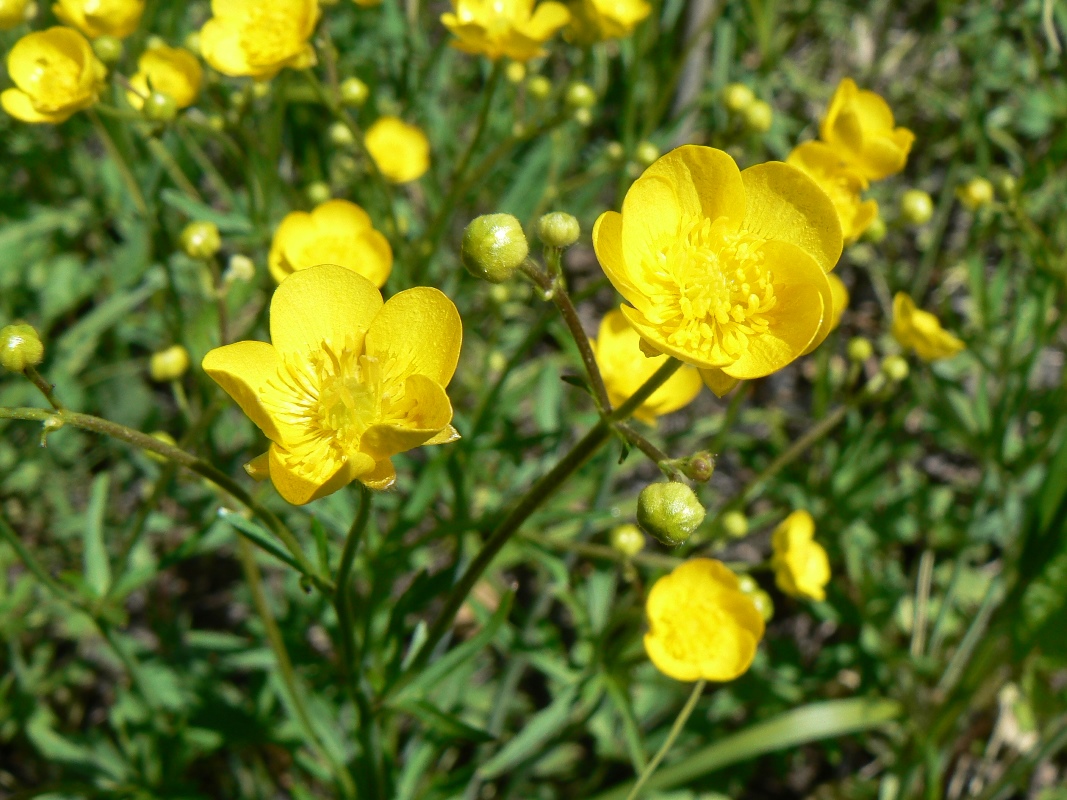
(916, 206)
(20, 347)
(494, 246)
(737, 97)
(160, 107)
(515, 72)
(646, 153)
(860, 349)
(201, 240)
(698, 467)
(976, 193)
(558, 229)
(670, 512)
(354, 92)
(895, 368)
(735, 524)
(580, 95)
(758, 116)
(108, 49)
(539, 87)
(628, 540)
(169, 364)
(318, 192)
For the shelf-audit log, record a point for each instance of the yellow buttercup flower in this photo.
(839, 298)
(701, 625)
(173, 71)
(96, 18)
(56, 74)
(258, 38)
(336, 232)
(624, 368)
(921, 331)
(12, 12)
(511, 28)
(347, 382)
(842, 183)
(801, 568)
(725, 270)
(599, 20)
(860, 124)
(401, 151)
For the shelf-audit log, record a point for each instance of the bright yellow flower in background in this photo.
(842, 183)
(511, 28)
(56, 74)
(347, 382)
(599, 20)
(921, 331)
(860, 124)
(173, 71)
(801, 567)
(624, 368)
(701, 625)
(725, 270)
(839, 297)
(258, 38)
(96, 18)
(401, 151)
(336, 232)
(12, 12)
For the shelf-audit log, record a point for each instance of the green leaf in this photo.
(257, 536)
(227, 223)
(537, 731)
(94, 548)
(808, 723)
(448, 725)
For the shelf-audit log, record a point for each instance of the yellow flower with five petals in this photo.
(921, 331)
(55, 74)
(625, 368)
(725, 270)
(701, 625)
(512, 28)
(347, 381)
(842, 183)
(173, 71)
(860, 125)
(258, 38)
(335, 232)
(96, 18)
(600, 20)
(801, 567)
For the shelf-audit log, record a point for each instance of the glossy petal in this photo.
(607, 243)
(706, 183)
(242, 370)
(547, 18)
(718, 381)
(430, 414)
(417, 332)
(220, 46)
(382, 477)
(18, 104)
(299, 489)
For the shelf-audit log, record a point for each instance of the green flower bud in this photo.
(698, 467)
(354, 92)
(515, 72)
(160, 107)
(614, 151)
(764, 604)
(895, 368)
(494, 246)
(539, 87)
(192, 42)
(583, 116)
(916, 206)
(628, 540)
(737, 97)
(20, 347)
(154, 42)
(670, 512)
(261, 89)
(976, 193)
(108, 49)
(1007, 185)
(758, 116)
(201, 240)
(747, 584)
(734, 524)
(876, 230)
(646, 153)
(318, 192)
(860, 349)
(558, 229)
(340, 135)
(169, 364)
(216, 122)
(580, 95)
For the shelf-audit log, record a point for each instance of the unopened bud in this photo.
(494, 246)
(583, 116)
(895, 368)
(260, 89)
(108, 49)
(340, 135)
(539, 87)
(860, 349)
(669, 511)
(976, 193)
(1007, 185)
(169, 364)
(201, 240)
(614, 151)
(747, 584)
(737, 97)
(646, 153)
(20, 347)
(758, 116)
(763, 603)
(318, 192)
(916, 206)
(698, 467)
(876, 230)
(160, 107)
(515, 72)
(628, 540)
(558, 229)
(241, 268)
(354, 92)
(735, 524)
(192, 42)
(580, 95)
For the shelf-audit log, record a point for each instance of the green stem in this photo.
(483, 116)
(124, 169)
(676, 729)
(173, 169)
(47, 389)
(342, 598)
(655, 455)
(87, 422)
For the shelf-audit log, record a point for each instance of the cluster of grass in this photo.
(150, 649)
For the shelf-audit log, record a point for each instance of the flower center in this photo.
(713, 290)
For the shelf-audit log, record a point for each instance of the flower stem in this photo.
(47, 389)
(676, 729)
(342, 597)
(124, 169)
(173, 169)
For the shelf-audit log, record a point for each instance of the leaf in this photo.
(94, 548)
(227, 223)
(537, 732)
(802, 725)
(257, 536)
(448, 725)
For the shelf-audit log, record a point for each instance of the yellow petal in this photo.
(784, 204)
(220, 46)
(706, 182)
(417, 332)
(242, 370)
(429, 415)
(654, 338)
(258, 468)
(298, 489)
(382, 477)
(17, 103)
(447, 435)
(295, 226)
(341, 215)
(320, 304)
(651, 218)
(607, 243)
(718, 381)
(839, 295)
(548, 18)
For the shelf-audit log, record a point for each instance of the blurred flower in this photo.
(347, 383)
(921, 331)
(625, 368)
(169, 364)
(725, 270)
(259, 37)
(56, 74)
(118, 18)
(839, 299)
(172, 71)
(860, 124)
(598, 20)
(976, 193)
(842, 183)
(12, 12)
(801, 568)
(336, 232)
(511, 28)
(401, 151)
(701, 625)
